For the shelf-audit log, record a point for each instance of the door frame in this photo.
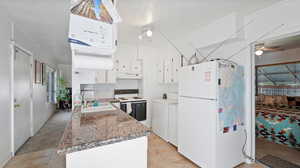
(14, 46)
(253, 87)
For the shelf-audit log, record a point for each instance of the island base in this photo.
(130, 153)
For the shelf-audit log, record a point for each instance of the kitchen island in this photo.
(106, 139)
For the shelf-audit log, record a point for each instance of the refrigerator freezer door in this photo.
(199, 80)
(197, 130)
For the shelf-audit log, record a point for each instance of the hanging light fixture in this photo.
(149, 33)
(146, 33)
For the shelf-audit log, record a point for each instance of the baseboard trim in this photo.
(4, 162)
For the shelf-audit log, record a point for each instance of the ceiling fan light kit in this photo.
(259, 52)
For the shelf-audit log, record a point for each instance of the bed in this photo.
(278, 124)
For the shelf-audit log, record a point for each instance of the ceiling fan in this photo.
(261, 48)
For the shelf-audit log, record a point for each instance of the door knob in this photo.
(17, 105)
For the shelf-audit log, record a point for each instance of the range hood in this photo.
(82, 59)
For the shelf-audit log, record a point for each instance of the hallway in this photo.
(40, 150)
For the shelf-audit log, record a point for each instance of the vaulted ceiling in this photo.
(45, 23)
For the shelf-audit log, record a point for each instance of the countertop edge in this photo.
(92, 145)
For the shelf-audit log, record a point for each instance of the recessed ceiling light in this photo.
(259, 52)
(149, 33)
(140, 37)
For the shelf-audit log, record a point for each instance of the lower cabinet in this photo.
(172, 124)
(164, 120)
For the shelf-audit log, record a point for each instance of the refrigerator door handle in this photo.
(203, 98)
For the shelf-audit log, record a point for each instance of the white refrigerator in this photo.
(211, 114)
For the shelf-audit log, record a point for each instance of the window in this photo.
(281, 79)
(51, 75)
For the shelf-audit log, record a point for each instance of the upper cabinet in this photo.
(94, 77)
(127, 61)
(168, 70)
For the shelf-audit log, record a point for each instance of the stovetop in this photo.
(127, 95)
(128, 99)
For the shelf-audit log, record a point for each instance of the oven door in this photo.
(139, 110)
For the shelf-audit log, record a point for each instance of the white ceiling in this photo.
(41, 27)
(178, 16)
(45, 23)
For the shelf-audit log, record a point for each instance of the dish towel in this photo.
(128, 107)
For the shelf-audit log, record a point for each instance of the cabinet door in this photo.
(160, 120)
(172, 124)
(160, 73)
(167, 71)
(136, 67)
(85, 77)
(175, 68)
(125, 55)
(100, 76)
(111, 76)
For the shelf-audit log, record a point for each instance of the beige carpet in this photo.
(40, 152)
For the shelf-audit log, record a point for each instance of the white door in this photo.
(22, 98)
(199, 80)
(197, 129)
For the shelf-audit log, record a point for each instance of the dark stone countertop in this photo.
(90, 130)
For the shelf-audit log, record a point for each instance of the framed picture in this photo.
(37, 72)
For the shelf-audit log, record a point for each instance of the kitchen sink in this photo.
(99, 108)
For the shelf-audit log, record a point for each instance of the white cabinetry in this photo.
(129, 66)
(95, 77)
(160, 72)
(164, 120)
(168, 70)
(160, 119)
(111, 76)
(100, 76)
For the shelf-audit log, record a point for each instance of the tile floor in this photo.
(40, 152)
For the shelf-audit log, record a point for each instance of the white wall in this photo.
(42, 110)
(5, 119)
(290, 55)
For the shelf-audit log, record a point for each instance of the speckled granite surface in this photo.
(90, 130)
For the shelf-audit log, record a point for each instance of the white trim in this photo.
(12, 96)
(253, 117)
(15, 46)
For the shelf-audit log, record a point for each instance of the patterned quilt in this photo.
(279, 125)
